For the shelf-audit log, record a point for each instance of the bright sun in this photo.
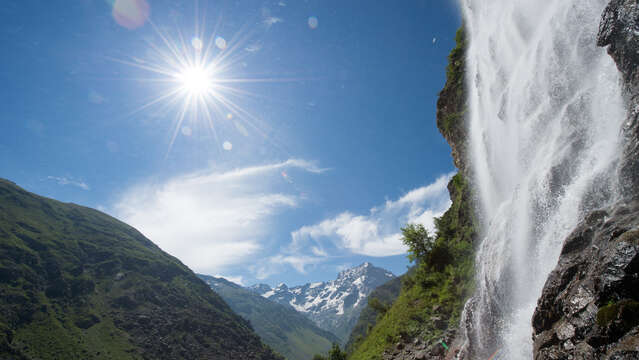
(195, 80)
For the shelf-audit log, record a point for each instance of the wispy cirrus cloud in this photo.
(268, 19)
(63, 180)
(375, 234)
(272, 20)
(211, 220)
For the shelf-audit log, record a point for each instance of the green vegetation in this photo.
(78, 284)
(432, 296)
(379, 301)
(454, 84)
(281, 327)
(419, 242)
(626, 311)
(334, 354)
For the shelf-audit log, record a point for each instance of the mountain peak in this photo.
(281, 286)
(363, 270)
(333, 305)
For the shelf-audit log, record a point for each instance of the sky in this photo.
(263, 141)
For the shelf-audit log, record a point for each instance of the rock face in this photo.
(619, 30)
(334, 305)
(451, 105)
(589, 308)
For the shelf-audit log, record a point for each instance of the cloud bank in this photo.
(375, 234)
(210, 220)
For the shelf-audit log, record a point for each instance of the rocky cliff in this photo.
(589, 308)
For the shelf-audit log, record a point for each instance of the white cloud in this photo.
(272, 20)
(374, 234)
(210, 220)
(62, 180)
(234, 279)
(254, 47)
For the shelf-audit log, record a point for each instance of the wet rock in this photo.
(590, 302)
(565, 331)
(619, 31)
(589, 308)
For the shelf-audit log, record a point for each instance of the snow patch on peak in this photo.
(333, 305)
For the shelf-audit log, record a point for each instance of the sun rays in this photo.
(193, 79)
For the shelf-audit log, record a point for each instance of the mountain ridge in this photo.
(76, 283)
(333, 305)
(280, 326)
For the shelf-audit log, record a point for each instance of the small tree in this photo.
(419, 242)
(336, 353)
(377, 305)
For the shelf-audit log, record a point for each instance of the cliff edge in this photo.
(423, 321)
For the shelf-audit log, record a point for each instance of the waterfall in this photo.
(545, 113)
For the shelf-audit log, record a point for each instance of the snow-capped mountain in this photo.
(334, 305)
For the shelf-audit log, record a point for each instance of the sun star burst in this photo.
(196, 80)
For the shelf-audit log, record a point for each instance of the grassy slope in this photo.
(78, 284)
(281, 327)
(386, 294)
(441, 283)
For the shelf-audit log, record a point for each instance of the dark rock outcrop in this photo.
(619, 30)
(589, 308)
(451, 104)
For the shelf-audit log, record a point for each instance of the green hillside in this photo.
(281, 327)
(377, 303)
(78, 284)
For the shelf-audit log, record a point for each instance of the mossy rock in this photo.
(631, 237)
(627, 311)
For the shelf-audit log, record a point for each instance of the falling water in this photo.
(545, 115)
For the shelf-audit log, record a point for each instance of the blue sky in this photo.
(328, 148)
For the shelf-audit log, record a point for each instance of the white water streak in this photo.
(545, 116)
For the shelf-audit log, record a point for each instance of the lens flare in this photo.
(130, 14)
(197, 43)
(220, 43)
(196, 79)
(313, 22)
